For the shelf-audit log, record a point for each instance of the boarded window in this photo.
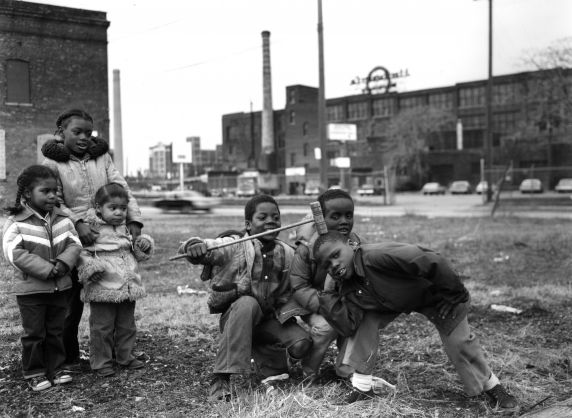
(18, 78)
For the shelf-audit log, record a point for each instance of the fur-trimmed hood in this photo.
(54, 149)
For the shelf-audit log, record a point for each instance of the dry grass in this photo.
(524, 263)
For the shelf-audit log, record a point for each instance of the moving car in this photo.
(564, 186)
(433, 188)
(531, 186)
(186, 201)
(368, 189)
(460, 187)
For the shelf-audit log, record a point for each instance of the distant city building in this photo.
(296, 131)
(161, 164)
(203, 160)
(51, 58)
(161, 161)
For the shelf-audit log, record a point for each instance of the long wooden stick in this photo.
(317, 218)
(248, 238)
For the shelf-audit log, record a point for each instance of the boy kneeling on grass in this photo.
(393, 278)
(250, 284)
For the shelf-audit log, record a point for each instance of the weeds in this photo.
(524, 263)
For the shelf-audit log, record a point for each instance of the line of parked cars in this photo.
(530, 185)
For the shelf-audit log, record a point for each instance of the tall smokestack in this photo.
(117, 134)
(267, 114)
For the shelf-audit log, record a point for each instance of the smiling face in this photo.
(339, 215)
(266, 216)
(76, 134)
(114, 211)
(42, 196)
(337, 257)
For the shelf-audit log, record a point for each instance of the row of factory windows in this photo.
(468, 97)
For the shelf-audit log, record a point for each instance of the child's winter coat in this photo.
(235, 264)
(116, 256)
(32, 245)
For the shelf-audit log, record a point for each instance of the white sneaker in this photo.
(276, 378)
(39, 383)
(62, 378)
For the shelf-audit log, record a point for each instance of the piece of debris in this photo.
(504, 308)
(78, 408)
(377, 384)
(500, 258)
(189, 291)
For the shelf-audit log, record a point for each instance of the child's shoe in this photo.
(105, 372)
(135, 364)
(61, 378)
(352, 395)
(39, 383)
(220, 388)
(500, 398)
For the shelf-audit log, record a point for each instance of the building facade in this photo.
(161, 161)
(522, 104)
(51, 59)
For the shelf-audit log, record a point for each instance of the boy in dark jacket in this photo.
(393, 278)
(308, 278)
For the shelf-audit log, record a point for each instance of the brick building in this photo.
(51, 59)
(517, 100)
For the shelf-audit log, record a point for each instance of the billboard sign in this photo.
(182, 152)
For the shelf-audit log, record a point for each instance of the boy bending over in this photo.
(393, 278)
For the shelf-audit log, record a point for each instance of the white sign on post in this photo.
(341, 162)
(295, 171)
(182, 152)
(342, 131)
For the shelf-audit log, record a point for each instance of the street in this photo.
(415, 204)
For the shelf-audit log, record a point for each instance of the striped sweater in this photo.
(33, 244)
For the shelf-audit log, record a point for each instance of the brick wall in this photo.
(66, 50)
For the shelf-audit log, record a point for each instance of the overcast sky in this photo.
(185, 63)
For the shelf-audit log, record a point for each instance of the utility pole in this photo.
(489, 98)
(322, 133)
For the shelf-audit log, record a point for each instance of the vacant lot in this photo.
(524, 264)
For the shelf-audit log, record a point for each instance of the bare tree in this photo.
(549, 93)
(548, 98)
(411, 134)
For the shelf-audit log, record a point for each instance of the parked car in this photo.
(483, 187)
(186, 201)
(433, 188)
(460, 187)
(368, 189)
(246, 190)
(312, 190)
(564, 186)
(531, 186)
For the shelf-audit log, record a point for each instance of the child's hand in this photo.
(62, 268)
(87, 235)
(329, 284)
(144, 245)
(134, 230)
(196, 251)
(446, 308)
(96, 277)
